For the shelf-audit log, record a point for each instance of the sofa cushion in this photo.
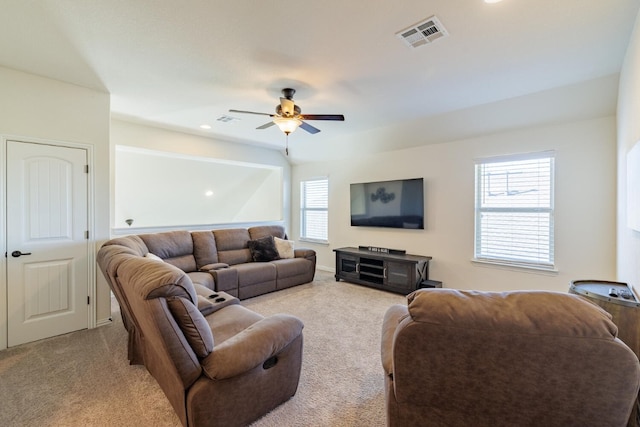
(231, 239)
(201, 278)
(214, 266)
(486, 310)
(234, 257)
(267, 230)
(205, 250)
(235, 318)
(292, 267)
(174, 247)
(153, 257)
(284, 248)
(253, 273)
(252, 346)
(133, 242)
(263, 249)
(193, 325)
(151, 279)
(232, 245)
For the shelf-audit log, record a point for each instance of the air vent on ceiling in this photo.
(422, 33)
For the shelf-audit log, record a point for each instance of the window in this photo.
(314, 209)
(514, 210)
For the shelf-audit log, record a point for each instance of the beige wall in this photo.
(628, 124)
(37, 108)
(585, 220)
(137, 135)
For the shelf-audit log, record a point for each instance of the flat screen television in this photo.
(394, 204)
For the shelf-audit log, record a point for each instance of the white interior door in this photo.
(47, 246)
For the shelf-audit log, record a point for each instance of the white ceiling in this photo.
(180, 64)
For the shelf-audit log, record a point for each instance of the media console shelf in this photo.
(401, 273)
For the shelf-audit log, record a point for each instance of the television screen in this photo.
(395, 204)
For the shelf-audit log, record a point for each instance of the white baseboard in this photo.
(324, 268)
(103, 322)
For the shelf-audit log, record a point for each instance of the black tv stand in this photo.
(401, 273)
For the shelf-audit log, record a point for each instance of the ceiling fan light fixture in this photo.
(287, 124)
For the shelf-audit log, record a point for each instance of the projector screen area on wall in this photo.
(160, 189)
(393, 204)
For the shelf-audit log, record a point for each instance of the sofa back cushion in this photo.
(149, 279)
(205, 250)
(192, 324)
(517, 312)
(113, 252)
(267, 230)
(174, 247)
(232, 245)
(133, 242)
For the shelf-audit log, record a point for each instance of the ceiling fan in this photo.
(289, 116)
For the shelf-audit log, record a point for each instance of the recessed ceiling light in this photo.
(492, 1)
(205, 126)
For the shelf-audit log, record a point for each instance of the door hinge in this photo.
(86, 234)
(86, 168)
(88, 300)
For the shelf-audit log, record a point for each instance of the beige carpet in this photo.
(84, 379)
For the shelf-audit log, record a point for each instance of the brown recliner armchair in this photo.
(217, 362)
(465, 358)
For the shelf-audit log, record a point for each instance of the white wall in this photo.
(628, 124)
(129, 134)
(37, 108)
(585, 195)
(157, 189)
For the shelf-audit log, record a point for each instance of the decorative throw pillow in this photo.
(284, 247)
(263, 249)
(153, 257)
(193, 325)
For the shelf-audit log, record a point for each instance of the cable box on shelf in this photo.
(382, 250)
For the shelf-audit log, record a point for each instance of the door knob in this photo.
(16, 254)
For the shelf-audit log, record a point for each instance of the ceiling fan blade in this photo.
(266, 125)
(309, 128)
(288, 106)
(336, 117)
(251, 112)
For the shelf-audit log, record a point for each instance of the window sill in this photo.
(316, 241)
(551, 270)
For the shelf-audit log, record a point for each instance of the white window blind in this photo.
(314, 209)
(514, 210)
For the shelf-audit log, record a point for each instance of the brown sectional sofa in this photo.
(221, 259)
(185, 324)
(217, 260)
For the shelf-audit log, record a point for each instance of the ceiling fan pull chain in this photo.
(286, 149)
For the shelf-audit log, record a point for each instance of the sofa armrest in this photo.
(304, 253)
(215, 301)
(252, 347)
(215, 266)
(392, 318)
(226, 279)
